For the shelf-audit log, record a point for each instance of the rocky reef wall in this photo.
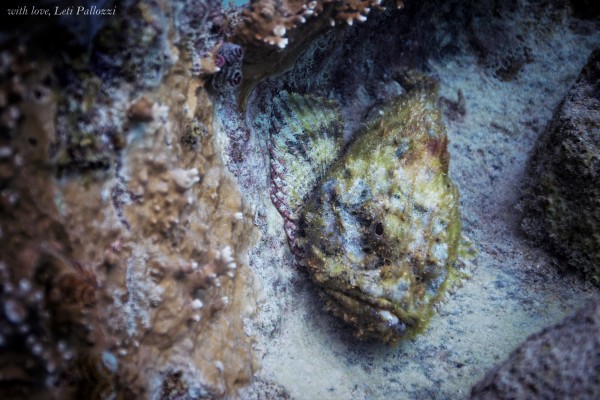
(561, 195)
(125, 251)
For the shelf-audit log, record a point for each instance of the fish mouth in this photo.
(371, 320)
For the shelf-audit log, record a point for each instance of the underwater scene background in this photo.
(281, 199)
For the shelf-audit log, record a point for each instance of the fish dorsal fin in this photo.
(306, 137)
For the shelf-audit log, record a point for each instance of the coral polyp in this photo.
(376, 225)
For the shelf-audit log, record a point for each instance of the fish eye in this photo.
(379, 229)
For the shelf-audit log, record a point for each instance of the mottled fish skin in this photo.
(306, 138)
(376, 225)
(383, 226)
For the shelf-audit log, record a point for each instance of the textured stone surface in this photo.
(562, 205)
(560, 362)
(123, 259)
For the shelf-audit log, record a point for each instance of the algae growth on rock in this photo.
(378, 227)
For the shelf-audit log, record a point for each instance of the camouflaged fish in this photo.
(376, 224)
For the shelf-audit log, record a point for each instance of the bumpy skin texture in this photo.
(561, 204)
(383, 225)
(305, 140)
(561, 362)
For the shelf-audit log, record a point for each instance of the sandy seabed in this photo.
(514, 290)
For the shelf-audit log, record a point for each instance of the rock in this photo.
(560, 362)
(586, 9)
(134, 284)
(561, 203)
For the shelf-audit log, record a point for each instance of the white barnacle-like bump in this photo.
(267, 12)
(197, 304)
(279, 30)
(278, 41)
(221, 303)
(185, 178)
(226, 254)
(37, 349)
(37, 296)
(14, 311)
(110, 361)
(5, 152)
(50, 367)
(282, 42)
(24, 286)
(228, 262)
(388, 317)
(68, 355)
(219, 365)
